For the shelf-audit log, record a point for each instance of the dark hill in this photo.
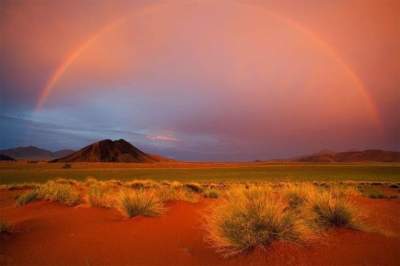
(28, 153)
(110, 151)
(353, 156)
(34, 153)
(6, 158)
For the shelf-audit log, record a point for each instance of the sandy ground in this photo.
(52, 234)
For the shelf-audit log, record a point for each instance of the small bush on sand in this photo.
(252, 217)
(5, 227)
(194, 187)
(63, 193)
(100, 195)
(330, 210)
(27, 197)
(142, 184)
(140, 202)
(211, 193)
(298, 195)
(167, 194)
(67, 166)
(372, 192)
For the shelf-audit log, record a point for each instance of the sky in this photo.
(202, 80)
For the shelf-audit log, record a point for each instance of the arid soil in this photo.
(52, 234)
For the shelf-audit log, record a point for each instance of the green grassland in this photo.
(40, 172)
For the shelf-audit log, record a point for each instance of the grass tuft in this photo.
(252, 217)
(5, 227)
(211, 193)
(60, 192)
(27, 197)
(328, 209)
(140, 202)
(193, 187)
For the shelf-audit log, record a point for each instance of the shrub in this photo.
(211, 193)
(372, 192)
(62, 193)
(27, 197)
(194, 187)
(330, 210)
(100, 195)
(298, 195)
(166, 194)
(140, 202)
(67, 166)
(249, 218)
(142, 184)
(5, 227)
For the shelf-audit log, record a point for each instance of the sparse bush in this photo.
(211, 193)
(194, 187)
(372, 192)
(142, 184)
(100, 194)
(63, 193)
(330, 210)
(5, 227)
(67, 166)
(298, 195)
(140, 202)
(252, 217)
(27, 197)
(22, 186)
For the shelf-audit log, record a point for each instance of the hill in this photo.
(353, 156)
(111, 151)
(6, 158)
(34, 153)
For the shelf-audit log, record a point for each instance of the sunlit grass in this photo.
(140, 202)
(27, 197)
(247, 218)
(328, 209)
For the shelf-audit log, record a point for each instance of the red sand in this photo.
(52, 234)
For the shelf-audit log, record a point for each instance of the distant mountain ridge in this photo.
(6, 158)
(111, 151)
(352, 156)
(34, 153)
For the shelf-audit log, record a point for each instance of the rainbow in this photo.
(70, 58)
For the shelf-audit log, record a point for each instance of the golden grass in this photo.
(60, 192)
(211, 193)
(27, 197)
(140, 202)
(329, 209)
(247, 218)
(102, 194)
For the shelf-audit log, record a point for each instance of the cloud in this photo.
(162, 138)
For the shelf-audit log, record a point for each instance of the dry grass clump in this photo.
(5, 227)
(329, 209)
(298, 195)
(101, 194)
(167, 194)
(21, 186)
(247, 218)
(372, 192)
(140, 202)
(142, 184)
(60, 192)
(27, 197)
(193, 187)
(211, 193)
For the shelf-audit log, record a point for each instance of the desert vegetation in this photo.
(5, 227)
(241, 215)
